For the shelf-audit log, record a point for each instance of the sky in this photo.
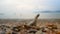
(29, 9)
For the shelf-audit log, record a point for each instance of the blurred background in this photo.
(27, 9)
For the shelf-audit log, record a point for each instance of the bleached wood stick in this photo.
(33, 23)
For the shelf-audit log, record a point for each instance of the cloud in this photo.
(1, 14)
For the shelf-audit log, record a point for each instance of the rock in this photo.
(32, 31)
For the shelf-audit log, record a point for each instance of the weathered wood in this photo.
(33, 23)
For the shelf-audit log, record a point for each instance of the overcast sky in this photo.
(29, 8)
